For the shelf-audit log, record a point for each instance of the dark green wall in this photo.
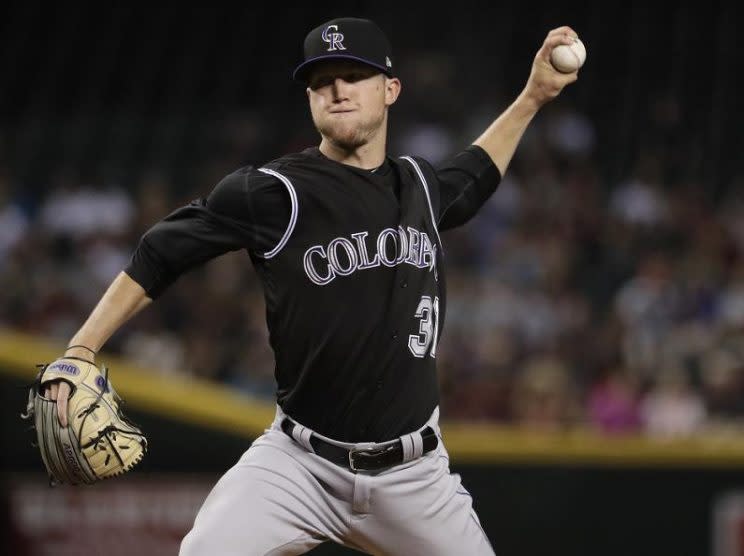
(527, 510)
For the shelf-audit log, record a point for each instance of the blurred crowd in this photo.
(572, 299)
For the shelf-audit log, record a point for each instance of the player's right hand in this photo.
(545, 82)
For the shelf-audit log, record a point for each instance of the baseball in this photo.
(568, 58)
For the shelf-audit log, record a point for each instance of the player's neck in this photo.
(368, 156)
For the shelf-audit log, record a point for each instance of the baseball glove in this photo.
(99, 441)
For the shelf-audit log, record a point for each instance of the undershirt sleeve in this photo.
(246, 210)
(465, 184)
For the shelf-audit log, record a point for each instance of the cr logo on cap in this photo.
(333, 39)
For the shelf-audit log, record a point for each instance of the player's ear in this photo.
(392, 90)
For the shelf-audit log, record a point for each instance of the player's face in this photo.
(349, 101)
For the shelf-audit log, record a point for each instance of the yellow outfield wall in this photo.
(211, 405)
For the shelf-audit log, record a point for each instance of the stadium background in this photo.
(594, 345)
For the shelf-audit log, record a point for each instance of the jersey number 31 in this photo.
(428, 312)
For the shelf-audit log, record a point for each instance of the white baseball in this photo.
(567, 58)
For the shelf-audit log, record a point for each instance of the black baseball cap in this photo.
(346, 38)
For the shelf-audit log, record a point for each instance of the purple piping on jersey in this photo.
(304, 64)
(426, 190)
(293, 218)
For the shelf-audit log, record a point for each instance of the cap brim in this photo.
(301, 71)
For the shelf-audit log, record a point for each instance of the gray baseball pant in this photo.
(282, 499)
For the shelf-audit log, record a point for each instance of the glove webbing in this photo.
(109, 433)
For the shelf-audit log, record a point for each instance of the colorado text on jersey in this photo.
(343, 257)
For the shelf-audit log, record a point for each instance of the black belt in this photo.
(363, 459)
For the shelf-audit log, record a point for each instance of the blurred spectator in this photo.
(731, 299)
(614, 403)
(72, 208)
(13, 220)
(640, 201)
(569, 132)
(156, 349)
(647, 307)
(672, 407)
(722, 377)
(432, 141)
(544, 395)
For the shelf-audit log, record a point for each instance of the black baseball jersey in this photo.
(351, 265)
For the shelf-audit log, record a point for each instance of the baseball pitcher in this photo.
(346, 240)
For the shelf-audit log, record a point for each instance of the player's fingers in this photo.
(553, 40)
(564, 30)
(62, 395)
(570, 77)
(51, 391)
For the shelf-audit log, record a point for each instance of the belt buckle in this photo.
(364, 447)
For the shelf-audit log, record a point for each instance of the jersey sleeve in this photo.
(246, 210)
(465, 184)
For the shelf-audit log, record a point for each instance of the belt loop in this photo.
(302, 436)
(413, 446)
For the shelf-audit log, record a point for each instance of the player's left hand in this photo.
(545, 82)
(90, 438)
